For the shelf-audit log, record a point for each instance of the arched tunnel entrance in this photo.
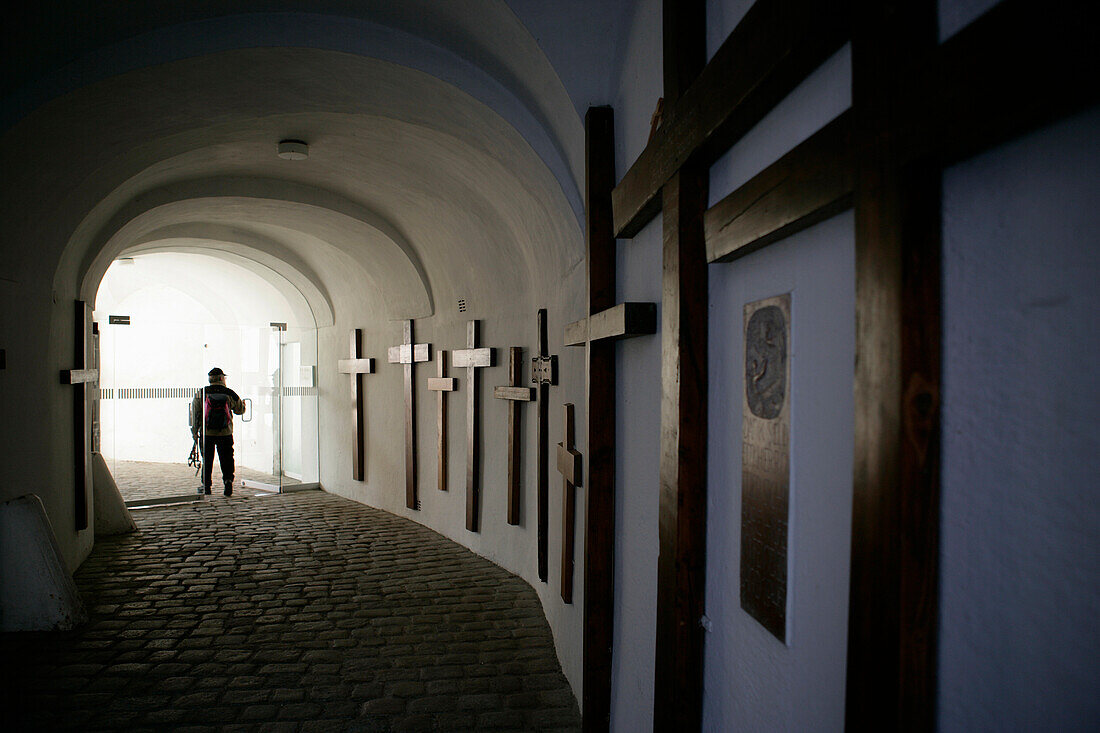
(428, 197)
(163, 320)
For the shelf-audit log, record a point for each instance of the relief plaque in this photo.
(765, 462)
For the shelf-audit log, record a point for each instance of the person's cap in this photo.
(215, 372)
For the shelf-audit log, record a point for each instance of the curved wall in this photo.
(416, 196)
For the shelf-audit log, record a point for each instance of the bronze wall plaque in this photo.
(765, 462)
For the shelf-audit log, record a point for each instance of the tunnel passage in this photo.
(298, 608)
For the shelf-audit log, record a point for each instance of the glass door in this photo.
(254, 352)
(147, 379)
(150, 371)
(298, 407)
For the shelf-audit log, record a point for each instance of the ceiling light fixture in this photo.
(293, 150)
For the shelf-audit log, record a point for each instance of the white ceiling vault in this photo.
(442, 140)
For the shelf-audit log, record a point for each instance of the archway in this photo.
(167, 315)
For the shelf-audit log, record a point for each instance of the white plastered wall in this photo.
(1020, 554)
(751, 681)
(429, 165)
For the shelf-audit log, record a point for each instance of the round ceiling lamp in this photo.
(293, 150)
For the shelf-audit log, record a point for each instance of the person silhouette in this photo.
(212, 411)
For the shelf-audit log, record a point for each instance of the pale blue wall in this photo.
(751, 680)
(637, 404)
(1020, 575)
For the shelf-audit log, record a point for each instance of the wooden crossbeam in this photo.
(1010, 71)
(409, 353)
(544, 374)
(514, 394)
(624, 320)
(441, 385)
(473, 358)
(807, 185)
(893, 598)
(767, 55)
(81, 377)
(917, 107)
(599, 377)
(569, 466)
(356, 366)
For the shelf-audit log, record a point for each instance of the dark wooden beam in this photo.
(681, 564)
(892, 593)
(599, 377)
(80, 377)
(472, 358)
(807, 185)
(774, 47)
(1017, 67)
(569, 466)
(624, 320)
(356, 366)
(684, 45)
(544, 374)
(514, 394)
(441, 385)
(408, 353)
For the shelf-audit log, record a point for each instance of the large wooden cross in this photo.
(408, 353)
(473, 358)
(515, 394)
(569, 466)
(81, 378)
(544, 374)
(441, 385)
(356, 366)
(917, 106)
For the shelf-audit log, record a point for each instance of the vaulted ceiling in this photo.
(444, 146)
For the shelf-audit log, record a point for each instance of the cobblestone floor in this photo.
(144, 480)
(296, 612)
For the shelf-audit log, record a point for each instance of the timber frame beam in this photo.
(599, 377)
(774, 47)
(919, 105)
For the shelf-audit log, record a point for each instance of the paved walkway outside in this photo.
(144, 480)
(296, 612)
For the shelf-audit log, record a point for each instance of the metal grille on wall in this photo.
(161, 393)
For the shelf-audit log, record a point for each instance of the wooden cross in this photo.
(917, 105)
(442, 385)
(408, 353)
(356, 366)
(544, 374)
(472, 358)
(81, 377)
(569, 466)
(515, 394)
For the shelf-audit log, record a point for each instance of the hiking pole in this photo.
(195, 459)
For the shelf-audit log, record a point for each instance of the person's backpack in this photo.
(216, 414)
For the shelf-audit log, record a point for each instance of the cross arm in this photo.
(618, 322)
(79, 376)
(767, 55)
(519, 394)
(408, 353)
(355, 366)
(482, 357)
(809, 184)
(569, 464)
(442, 384)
